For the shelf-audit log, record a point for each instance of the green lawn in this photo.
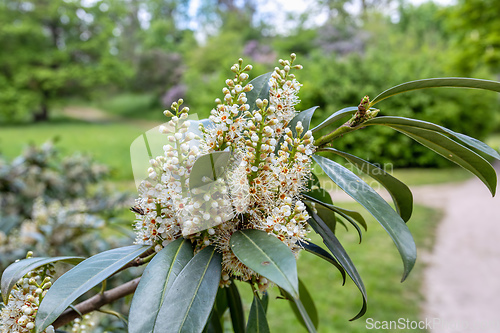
(380, 266)
(108, 143)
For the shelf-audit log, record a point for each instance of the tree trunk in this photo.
(43, 113)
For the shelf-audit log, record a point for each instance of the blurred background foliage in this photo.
(132, 58)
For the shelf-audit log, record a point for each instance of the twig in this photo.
(96, 302)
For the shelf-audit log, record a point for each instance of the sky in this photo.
(278, 9)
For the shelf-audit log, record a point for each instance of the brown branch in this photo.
(95, 302)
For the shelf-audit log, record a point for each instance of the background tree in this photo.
(476, 33)
(52, 49)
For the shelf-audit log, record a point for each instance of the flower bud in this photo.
(259, 103)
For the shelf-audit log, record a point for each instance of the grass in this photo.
(380, 266)
(130, 105)
(108, 143)
(413, 177)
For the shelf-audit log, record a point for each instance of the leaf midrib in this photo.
(196, 292)
(274, 263)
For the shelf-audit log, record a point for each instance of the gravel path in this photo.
(462, 281)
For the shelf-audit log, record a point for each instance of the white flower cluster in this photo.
(260, 188)
(165, 194)
(18, 316)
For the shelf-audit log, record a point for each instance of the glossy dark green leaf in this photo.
(328, 216)
(155, 282)
(316, 191)
(304, 308)
(354, 215)
(305, 118)
(455, 82)
(471, 142)
(212, 166)
(214, 323)
(335, 116)
(328, 212)
(333, 244)
(320, 252)
(221, 303)
(17, 270)
(189, 301)
(265, 300)
(454, 152)
(260, 90)
(351, 216)
(400, 193)
(236, 308)
(376, 206)
(257, 321)
(268, 256)
(82, 278)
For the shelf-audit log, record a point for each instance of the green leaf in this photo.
(320, 252)
(329, 217)
(221, 303)
(155, 283)
(400, 193)
(189, 301)
(236, 308)
(376, 206)
(471, 142)
(257, 321)
(212, 166)
(17, 270)
(268, 256)
(304, 308)
(333, 244)
(334, 117)
(82, 278)
(304, 117)
(454, 152)
(260, 90)
(214, 323)
(327, 214)
(316, 191)
(455, 82)
(350, 215)
(265, 300)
